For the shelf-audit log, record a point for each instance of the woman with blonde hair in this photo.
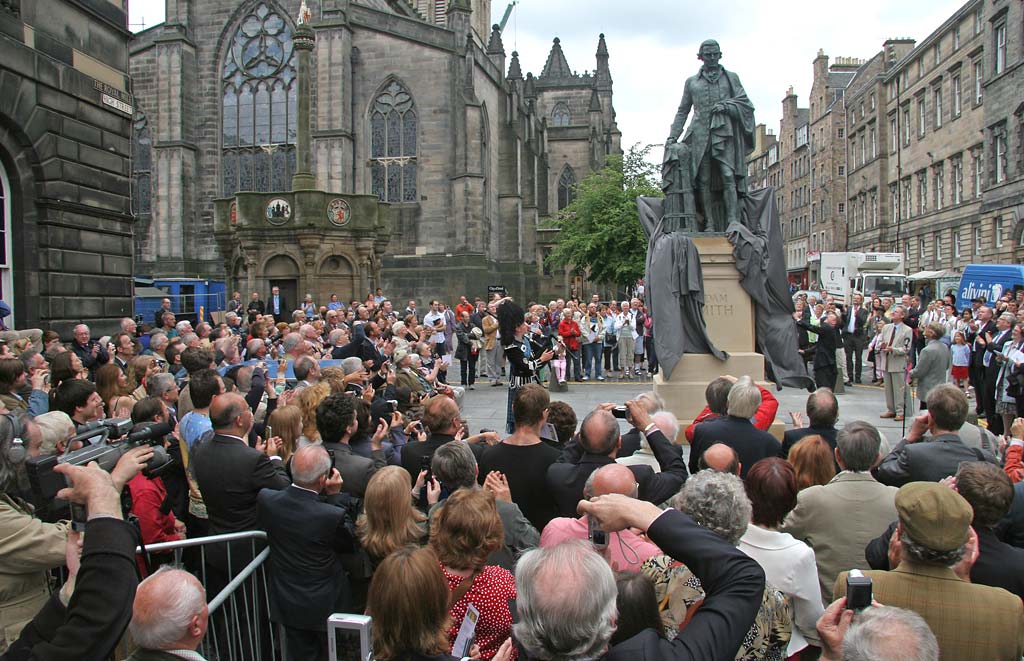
(309, 399)
(139, 369)
(389, 521)
(813, 460)
(464, 532)
(286, 424)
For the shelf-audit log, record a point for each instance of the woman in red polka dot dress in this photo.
(463, 533)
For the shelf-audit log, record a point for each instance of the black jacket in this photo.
(750, 443)
(859, 326)
(230, 475)
(284, 314)
(305, 580)
(567, 478)
(100, 608)
(828, 341)
(732, 582)
(356, 470)
(89, 361)
(978, 352)
(630, 443)
(996, 347)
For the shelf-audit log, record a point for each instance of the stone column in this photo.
(304, 39)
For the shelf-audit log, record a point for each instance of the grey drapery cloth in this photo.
(675, 288)
(760, 259)
(676, 302)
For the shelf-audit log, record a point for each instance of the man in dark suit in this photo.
(598, 445)
(278, 306)
(822, 413)
(306, 580)
(336, 423)
(255, 307)
(736, 430)
(993, 343)
(921, 458)
(230, 475)
(854, 328)
(825, 369)
(983, 326)
(441, 419)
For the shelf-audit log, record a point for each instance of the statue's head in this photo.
(709, 52)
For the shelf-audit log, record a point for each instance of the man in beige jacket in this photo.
(838, 519)
(492, 348)
(29, 548)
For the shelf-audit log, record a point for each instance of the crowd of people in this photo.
(980, 348)
(561, 538)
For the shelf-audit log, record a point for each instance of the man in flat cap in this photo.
(932, 549)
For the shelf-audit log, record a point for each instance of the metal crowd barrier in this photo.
(239, 623)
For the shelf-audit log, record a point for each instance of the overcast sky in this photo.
(653, 44)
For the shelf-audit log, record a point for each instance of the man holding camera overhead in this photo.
(598, 444)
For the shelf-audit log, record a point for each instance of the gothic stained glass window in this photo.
(258, 102)
(566, 188)
(393, 136)
(142, 166)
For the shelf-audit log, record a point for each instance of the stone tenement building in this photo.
(868, 195)
(934, 150)
(1002, 201)
(413, 102)
(65, 127)
(934, 175)
(806, 164)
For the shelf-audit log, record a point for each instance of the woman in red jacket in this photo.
(569, 330)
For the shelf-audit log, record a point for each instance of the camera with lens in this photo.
(99, 448)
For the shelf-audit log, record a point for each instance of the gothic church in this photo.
(413, 102)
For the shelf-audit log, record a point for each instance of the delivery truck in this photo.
(845, 273)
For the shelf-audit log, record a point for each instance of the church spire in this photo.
(494, 44)
(603, 73)
(515, 72)
(556, 66)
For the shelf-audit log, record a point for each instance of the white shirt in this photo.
(789, 566)
(429, 320)
(626, 319)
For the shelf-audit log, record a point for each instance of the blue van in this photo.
(989, 281)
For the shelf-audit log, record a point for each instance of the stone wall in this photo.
(66, 156)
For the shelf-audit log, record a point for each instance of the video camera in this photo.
(46, 483)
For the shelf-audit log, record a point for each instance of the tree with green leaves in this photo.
(600, 230)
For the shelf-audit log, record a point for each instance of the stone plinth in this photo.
(729, 315)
